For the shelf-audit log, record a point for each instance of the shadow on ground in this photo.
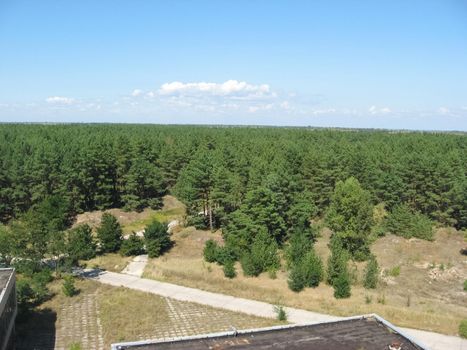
(36, 330)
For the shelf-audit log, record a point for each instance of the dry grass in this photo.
(110, 262)
(100, 315)
(434, 305)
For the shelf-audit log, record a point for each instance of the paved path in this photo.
(434, 341)
(136, 266)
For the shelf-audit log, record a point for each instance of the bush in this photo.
(299, 244)
(405, 222)
(262, 256)
(132, 246)
(297, 279)
(68, 286)
(80, 243)
(313, 267)
(229, 269)
(465, 285)
(342, 285)
(371, 273)
(337, 261)
(394, 271)
(109, 234)
(157, 239)
(463, 328)
(210, 251)
(250, 266)
(280, 313)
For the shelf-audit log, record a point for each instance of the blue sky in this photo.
(384, 64)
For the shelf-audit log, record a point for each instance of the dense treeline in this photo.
(219, 171)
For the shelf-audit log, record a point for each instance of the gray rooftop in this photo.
(369, 333)
(4, 277)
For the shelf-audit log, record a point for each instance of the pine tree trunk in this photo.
(210, 217)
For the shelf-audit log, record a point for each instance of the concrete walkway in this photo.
(434, 341)
(136, 266)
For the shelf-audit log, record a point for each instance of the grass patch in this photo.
(110, 262)
(159, 215)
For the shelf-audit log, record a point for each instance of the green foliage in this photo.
(297, 277)
(262, 257)
(109, 234)
(337, 261)
(371, 273)
(229, 269)
(106, 166)
(211, 251)
(80, 243)
(132, 246)
(463, 328)
(298, 245)
(405, 222)
(350, 216)
(394, 271)
(465, 285)
(307, 271)
(157, 239)
(281, 314)
(31, 290)
(75, 346)
(342, 285)
(68, 286)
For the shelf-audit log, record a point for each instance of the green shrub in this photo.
(229, 269)
(262, 256)
(68, 286)
(132, 246)
(250, 265)
(281, 314)
(394, 271)
(80, 243)
(210, 251)
(342, 285)
(157, 239)
(337, 261)
(465, 285)
(371, 273)
(297, 278)
(75, 346)
(405, 222)
(463, 328)
(109, 234)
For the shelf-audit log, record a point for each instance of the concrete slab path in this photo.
(434, 341)
(136, 266)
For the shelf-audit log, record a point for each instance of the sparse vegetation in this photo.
(463, 328)
(371, 273)
(280, 312)
(68, 286)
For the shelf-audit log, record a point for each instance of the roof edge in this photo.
(122, 345)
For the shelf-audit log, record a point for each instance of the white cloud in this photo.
(60, 100)
(228, 88)
(444, 110)
(376, 110)
(136, 92)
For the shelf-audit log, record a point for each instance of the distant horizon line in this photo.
(339, 128)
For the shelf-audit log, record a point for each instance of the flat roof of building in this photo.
(365, 332)
(4, 277)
